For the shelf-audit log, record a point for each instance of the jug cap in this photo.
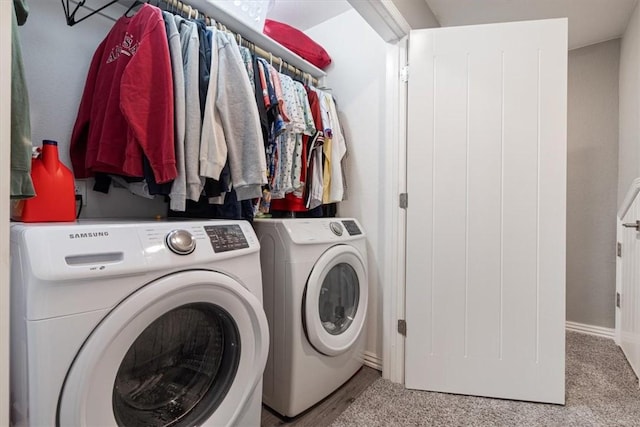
(49, 142)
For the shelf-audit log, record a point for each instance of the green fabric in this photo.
(21, 183)
(22, 11)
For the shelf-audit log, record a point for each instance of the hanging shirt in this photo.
(309, 130)
(178, 194)
(21, 183)
(213, 146)
(326, 147)
(127, 105)
(189, 41)
(338, 150)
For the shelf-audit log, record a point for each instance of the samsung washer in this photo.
(141, 323)
(315, 297)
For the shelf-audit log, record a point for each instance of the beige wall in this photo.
(592, 173)
(629, 150)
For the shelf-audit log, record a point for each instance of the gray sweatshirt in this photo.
(178, 193)
(238, 111)
(190, 46)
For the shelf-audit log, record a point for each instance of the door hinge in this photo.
(619, 250)
(402, 327)
(404, 74)
(404, 200)
(618, 298)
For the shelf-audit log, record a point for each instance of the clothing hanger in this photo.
(133, 5)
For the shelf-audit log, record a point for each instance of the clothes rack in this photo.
(187, 10)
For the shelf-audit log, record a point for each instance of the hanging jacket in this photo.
(127, 105)
(240, 121)
(21, 184)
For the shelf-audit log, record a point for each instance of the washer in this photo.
(156, 323)
(314, 274)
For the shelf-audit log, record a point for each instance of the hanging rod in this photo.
(187, 10)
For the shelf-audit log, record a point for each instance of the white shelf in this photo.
(255, 36)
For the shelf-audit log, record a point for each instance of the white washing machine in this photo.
(132, 324)
(314, 274)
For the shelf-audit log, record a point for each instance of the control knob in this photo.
(181, 242)
(336, 227)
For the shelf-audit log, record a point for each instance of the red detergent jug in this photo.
(54, 185)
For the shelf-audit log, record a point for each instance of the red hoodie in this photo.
(127, 105)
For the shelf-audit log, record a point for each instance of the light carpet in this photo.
(601, 390)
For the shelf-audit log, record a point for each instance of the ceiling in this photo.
(590, 21)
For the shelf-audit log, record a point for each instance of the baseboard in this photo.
(373, 361)
(591, 330)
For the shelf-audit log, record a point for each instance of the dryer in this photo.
(141, 323)
(315, 297)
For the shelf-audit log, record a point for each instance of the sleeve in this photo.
(146, 100)
(80, 133)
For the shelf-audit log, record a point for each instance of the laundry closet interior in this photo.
(57, 57)
(368, 82)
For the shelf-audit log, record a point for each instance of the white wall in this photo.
(592, 173)
(357, 77)
(56, 60)
(629, 142)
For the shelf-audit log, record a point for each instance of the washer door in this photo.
(187, 349)
(335, 302)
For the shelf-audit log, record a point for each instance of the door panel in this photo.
(486, 224)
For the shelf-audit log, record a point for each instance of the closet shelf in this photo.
(255, 36)
(234, 24)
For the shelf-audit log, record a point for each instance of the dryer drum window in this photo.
(179, 369)
(339, 296)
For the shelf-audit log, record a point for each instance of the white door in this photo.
(630, 288)
(187, 349)
(485, 299)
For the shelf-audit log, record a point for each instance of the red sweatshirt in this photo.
(127, 105)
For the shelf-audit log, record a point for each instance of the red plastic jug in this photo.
(54, 185)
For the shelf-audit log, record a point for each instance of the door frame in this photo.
(393, 302)
(385, 18)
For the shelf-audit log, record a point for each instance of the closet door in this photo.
(485, 297)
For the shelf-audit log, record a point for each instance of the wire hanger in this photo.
(133, 5)
(70, 15)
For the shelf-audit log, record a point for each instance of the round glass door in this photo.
(186, 349)
(335, 301)
(179, 368)
(339, 296)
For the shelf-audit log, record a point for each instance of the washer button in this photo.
(181, 242)
(336, 227)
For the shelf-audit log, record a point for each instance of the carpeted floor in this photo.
(601, 390)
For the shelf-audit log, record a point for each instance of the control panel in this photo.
(352, 227)
(226, 237)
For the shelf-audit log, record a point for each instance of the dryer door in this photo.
(187, 349)
(335, 302)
